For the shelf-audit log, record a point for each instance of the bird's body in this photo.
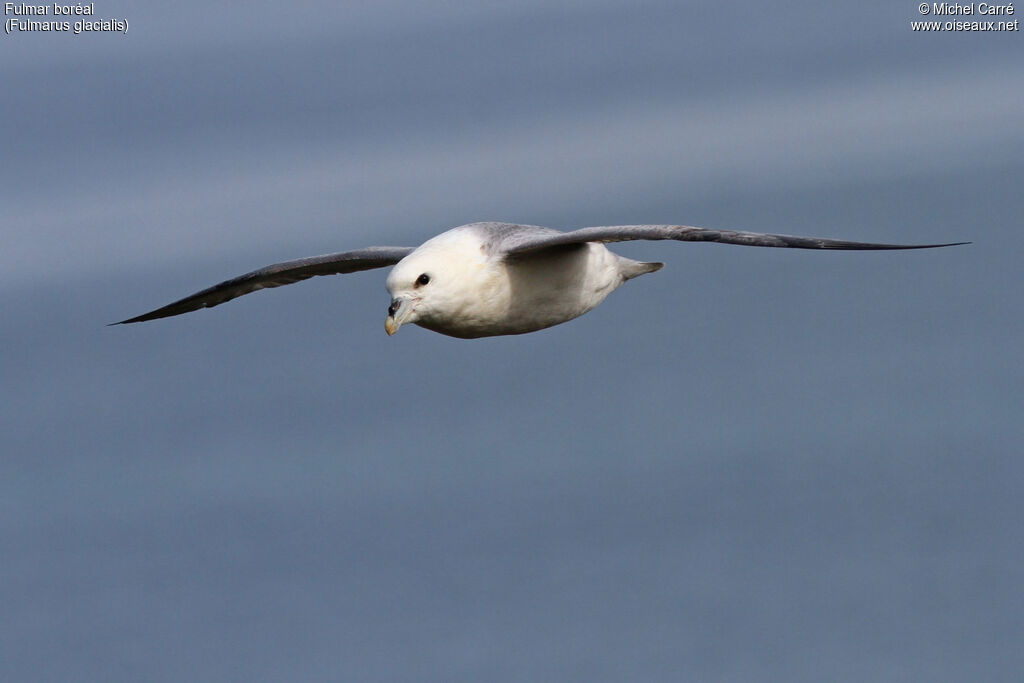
(488, 279)
(496, 295)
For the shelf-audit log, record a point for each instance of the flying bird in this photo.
(488, 279)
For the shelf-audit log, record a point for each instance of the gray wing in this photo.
(278, 274)
(533, 242)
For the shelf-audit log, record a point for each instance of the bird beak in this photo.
(398, 313)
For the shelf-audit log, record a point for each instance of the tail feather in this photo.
(631, 269)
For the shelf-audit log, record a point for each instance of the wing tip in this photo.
(867, 246)
(937, 246)
(145, 317)
(137, 319)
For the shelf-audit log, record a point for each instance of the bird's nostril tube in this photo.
(393, 307)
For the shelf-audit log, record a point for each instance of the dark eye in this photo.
(422, 280)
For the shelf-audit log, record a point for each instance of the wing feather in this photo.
(684, 233)
(278, 274)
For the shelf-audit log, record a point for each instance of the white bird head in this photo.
(443, 285)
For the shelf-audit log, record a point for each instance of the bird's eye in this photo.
(422, 280)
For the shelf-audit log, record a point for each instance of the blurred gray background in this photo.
(755, 465)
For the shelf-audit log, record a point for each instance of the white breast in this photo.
(528, 294)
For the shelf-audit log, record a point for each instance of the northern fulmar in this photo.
(488, 279)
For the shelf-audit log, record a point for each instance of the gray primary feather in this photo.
(531, 241)
(278, 274)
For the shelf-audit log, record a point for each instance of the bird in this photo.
(489, 278)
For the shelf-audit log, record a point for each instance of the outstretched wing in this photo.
(531, 242)
(278, 274)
